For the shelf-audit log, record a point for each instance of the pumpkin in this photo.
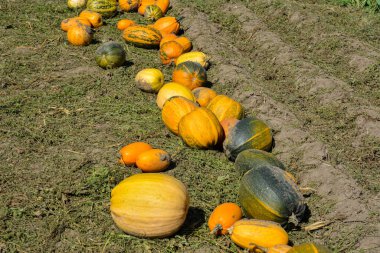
(257, 234)
(110, 55)
(185, 43)
(92, 16)
(141, 9)
(107, 8)
(171, 90)
(173, 111)
(168, 37)
(204, 95)
(149, 205)
(194, 56)
(223, 217)
(190, 74)
(224, 107)
(268, 193)
(152, 12)
(153, 160)
(66, 24)
(73, 4)
(142, 36)
(162, 4)
(169, 51)
(124, 23)
(248, 133)
(150, 80)
(309, 247)
(130, 152)
(253, 159)
(279, 248)
(167, 25)
(129, 5)
(201, 129)
(228, 124)
(80, 35)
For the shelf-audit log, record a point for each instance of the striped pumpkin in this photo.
(142, 36)
(105, 7)
(190, 74)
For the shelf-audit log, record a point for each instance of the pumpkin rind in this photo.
(190, 74)
(149, 205)
(110, 55)
(150, 80)
(142, 36)
(268, 193)
(167, 25)
(223, 217)
(107, 8)
(204, 95)
(248, 133)
(95, 18)
(225, 107)
(250, 233)
(171, 90)
(129, 5)
(194, 56)
(309, 247)
(153, 12)
(153, 160)
(173, 111)
(254, 158)
(80, 35)
(130, 152)
(201, 129)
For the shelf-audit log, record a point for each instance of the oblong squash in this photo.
(107, 8)
(268, 193)
(309, 247)
(130, 152)
(149, 205)
(248, 133)
(204, 95)
(172, 90)
(142, 36)
(223, 217)
(225, 107)
(153, 160)
(194, 56)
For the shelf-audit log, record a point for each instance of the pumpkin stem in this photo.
(216, 229)
(293, 219)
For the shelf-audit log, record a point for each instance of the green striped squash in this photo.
(110, 55)
(309, 247)
(142, 36)
(269, 193)
(105, 7)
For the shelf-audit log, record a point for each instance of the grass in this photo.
(371, 4)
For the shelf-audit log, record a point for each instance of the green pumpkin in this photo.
(248, 133)
(309, 247)
(105, 7)
(110, 55)
(269, 193)
(253, 159)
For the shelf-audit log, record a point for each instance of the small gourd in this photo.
(223, 217)
(130, 152)
(153, 160)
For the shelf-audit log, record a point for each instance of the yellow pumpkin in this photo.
(204, 95)
(257, 234)
(224, 108)
(201, 129)
(150, 80)
(194, 56)
(149, 205)
(173, 111)
(171, 90)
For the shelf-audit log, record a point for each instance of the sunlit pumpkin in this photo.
(66, 24)
(204, 95)
(124, 23)
(185, 43)
(150, 80)
(309, 247)
(95, 18)
(80, 35)
(73, 4)
(167, 25)
(171, 90)
(149, 205)
(190, 74)
(153, 12)
(162, 4)
(129, 5)
(168, 37)
(107, 8)
(169, 52)
(153, 160)
(223, 217)
(279, 248)
(225, 107)
(142, 36)
(110, 55)
(130, 152)
(194, 56)
(228, 124)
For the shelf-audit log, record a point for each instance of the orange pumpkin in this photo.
(141, 9)
(173, 111)
(80, 35)
(167, 25)
(279, 248)
(66, 24)
(168, 37)
(124, 23)
(169, 51)
(190, 74)
(223, 217)
(225, 107)
(185, 43)
(129, 153)
(204, 95)
(163, 4)
(95, 18)
(129, 5)
(154, 160)
(228, 124)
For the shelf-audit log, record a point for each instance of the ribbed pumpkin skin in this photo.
(194, 56)
(254, 158)
(309, 248)
(149, 205)
(105, 7)
(248, 133)
(201, 129)
(142, 36)
(190, 74)
(279, 248)
(225, 107)
(204, 95)
(250, 233)
(173, 111)
(110, 55)
(169, 51)
(267, 193)
(172, 90)
(153, 12)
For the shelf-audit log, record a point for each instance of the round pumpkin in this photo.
(80, 35)
(153, 12)
(167, 25)
(173, 111)
(201, 129)
(130, 152)
(73, 4)
(225, 107)
(124, 23)
(94, 18)
(149, 205)
(223, 217)
(150, 80)
(107, 8)
(309, 247)
(171, 90)
(185, 43)
(248, 133)
(153, 160)
(190, 74)
(228, 124)
(204, 95)
(254, 158)
(268, 193)
(142, 36)
(168, 37)
(110, 55)
(257, 234)
(279, 248)
(129, 5)
(169, 51)
(194, 56)
(66, 24)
